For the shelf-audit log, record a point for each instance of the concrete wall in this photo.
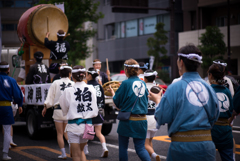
(193, 37)
(11, 16)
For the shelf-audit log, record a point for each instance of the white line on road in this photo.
(236, 131)
(130, 150)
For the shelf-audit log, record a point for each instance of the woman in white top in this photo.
(79, 104)
(149, 77)
(52, 100)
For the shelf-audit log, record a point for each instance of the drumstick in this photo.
(47, 25)
(162, 88)
(107, 63)
(108, 68)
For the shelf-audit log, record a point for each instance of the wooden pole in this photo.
(47, 25)
(107, 63)
(108, 69)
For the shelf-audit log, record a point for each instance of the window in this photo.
(110, 31)
(9, 27)
(117, 30)
(131, 28)
(221, 21)
(140, 26)
(7, 3)
(239, 18)
(165, 18)
(16, 3)
(122, 29)
(107, 2)
(149, 25)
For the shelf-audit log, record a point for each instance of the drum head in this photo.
(50, 18)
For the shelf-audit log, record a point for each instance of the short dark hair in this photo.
(191, 66)
(38, 56)
(222, 61)
(218, 72)
(93, 75)
(150, 78)
(79, 75)
(141, 64)
(65, 72)
(4, 69)
(60, 37)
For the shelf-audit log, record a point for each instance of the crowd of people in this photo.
(198, 112)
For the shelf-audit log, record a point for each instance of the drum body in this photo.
(38, 20)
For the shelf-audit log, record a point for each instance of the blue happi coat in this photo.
(182, 110)
(222, 135)
(10, 91)
(124, 99)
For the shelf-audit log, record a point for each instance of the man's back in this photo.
(38, 74)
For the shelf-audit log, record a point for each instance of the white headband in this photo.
(97, 62)
(134, 65)
(4, 66)
(192, 56)
(61, 34)
(150, 74)
(78, 70)
(38, 57)
(92, 72)
(218, 62)
(64, 67)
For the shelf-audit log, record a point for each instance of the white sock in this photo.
(154, 155)
(234, 156)
(5, 155)
(63, 152)
(11, 139)
(104, 146)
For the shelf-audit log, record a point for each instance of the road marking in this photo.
(162, 138)
(117, 147)
(20, 151)
(236, 131)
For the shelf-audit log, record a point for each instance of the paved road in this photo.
(46, 148)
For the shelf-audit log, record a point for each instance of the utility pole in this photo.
(228, 38)
(174, 68)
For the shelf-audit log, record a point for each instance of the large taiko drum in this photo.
(38, 20)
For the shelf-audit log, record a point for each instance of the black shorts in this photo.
(97, 120)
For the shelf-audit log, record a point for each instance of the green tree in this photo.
(156, 44)
(78, 12)
(212, 45)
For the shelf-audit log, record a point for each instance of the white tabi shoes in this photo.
(7, 158)
(62, 157)
(105, 153)
(86, 150)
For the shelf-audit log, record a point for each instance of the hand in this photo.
(47, 34)
(155, 97)
(111, 90)
(234, 114)
(20, 110)
(108, 74)
(44, 111)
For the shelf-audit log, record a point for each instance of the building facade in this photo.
(121, 36)
(11, 11)
(198, 14)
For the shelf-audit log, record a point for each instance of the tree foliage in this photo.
(78, 12)
(156, 43)
(212, 45)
